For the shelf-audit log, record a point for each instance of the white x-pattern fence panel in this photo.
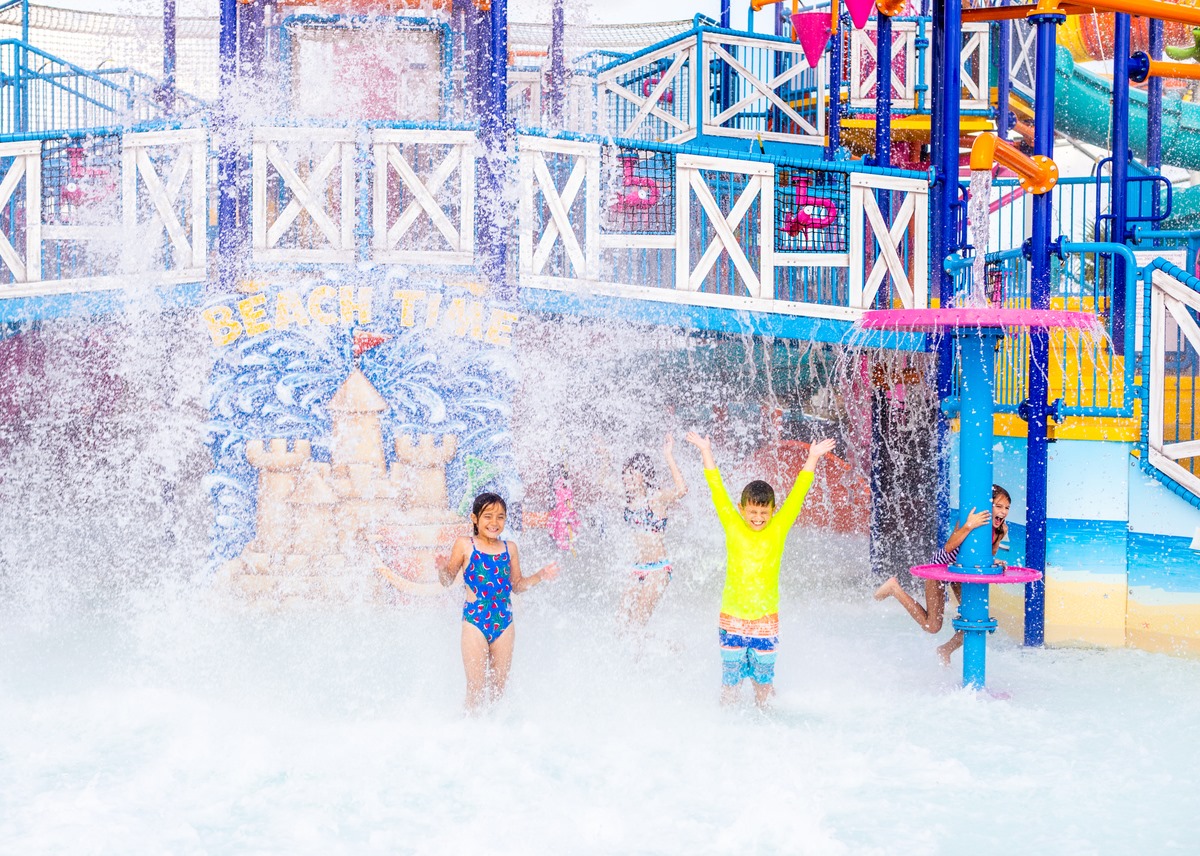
(526, 98)
(1022, 59)
(174, 204)
(759, 188)
(1170, 299)
(975, 66)
(538, 239)
(863, 56)
(313, 171)
(758, 93)
(449, 223)
(24, 266)
(886, 250)
(973, 60)
(635, 99)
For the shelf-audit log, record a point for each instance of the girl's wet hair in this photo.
(998, 491)
(640, 463)
(483, 501)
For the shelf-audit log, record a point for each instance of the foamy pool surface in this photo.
(178, 723)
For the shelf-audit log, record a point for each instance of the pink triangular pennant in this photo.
(860, 11)
(812, 32)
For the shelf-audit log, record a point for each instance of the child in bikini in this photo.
(646, 515)
(755, 534)
(491, 571)
(929, 617)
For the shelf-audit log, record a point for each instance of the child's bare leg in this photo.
(930, 616)
(500, 653)
(475, 663)
(641, 598)
(946, 649)
(762, 694)
(728, 695)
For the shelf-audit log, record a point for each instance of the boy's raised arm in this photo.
(705, 447)
(790, 510)
(712, 475)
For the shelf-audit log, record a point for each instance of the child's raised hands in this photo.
(549, 572)
(818, 450)
(705, 447)
(669, 445)
(701, 443)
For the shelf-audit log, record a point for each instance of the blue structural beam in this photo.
(943, 203)
(834, 117)
(1003, 80)
(717, 319)
(1036, 409)
(227, 150)
(883, 94)
(1154, 106)
(168, 84)
(1118, 195)
(976, 438)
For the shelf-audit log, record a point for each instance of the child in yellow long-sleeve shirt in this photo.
(754, 537)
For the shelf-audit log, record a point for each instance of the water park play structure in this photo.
(380, 191)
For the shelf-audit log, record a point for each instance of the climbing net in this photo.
(95, 40)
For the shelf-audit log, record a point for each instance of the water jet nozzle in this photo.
(1037, 174)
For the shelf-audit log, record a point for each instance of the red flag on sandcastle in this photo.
(365, 341)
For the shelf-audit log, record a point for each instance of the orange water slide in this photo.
(1090, 37)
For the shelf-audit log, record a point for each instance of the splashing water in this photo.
(978, 211)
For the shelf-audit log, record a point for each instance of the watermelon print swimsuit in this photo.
(488, 577)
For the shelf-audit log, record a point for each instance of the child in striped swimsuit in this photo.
(930, 615)
(755, 533)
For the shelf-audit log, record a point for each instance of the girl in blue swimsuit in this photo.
(491, 572)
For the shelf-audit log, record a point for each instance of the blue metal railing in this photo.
(41, 93)
(1086, 374)
(1181, 385)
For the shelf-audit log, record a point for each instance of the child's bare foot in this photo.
(944, 652)
(888, 589)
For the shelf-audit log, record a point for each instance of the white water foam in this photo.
(182, 725)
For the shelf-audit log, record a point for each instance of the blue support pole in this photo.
(1118, 194)
(168, 85)
(1003, 80)
(835, 95)
(558, 68)
(1154, 105)
(883, 94)
(1036, 407)
(251, 40)
(883, 131)
(947, 87)
(944, 132)
(227, 151)
(21, 70)
(977, 386)
(493, 129)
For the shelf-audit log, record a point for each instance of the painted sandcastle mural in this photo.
(351, 425)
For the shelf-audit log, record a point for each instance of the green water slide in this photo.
(1083, 110)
